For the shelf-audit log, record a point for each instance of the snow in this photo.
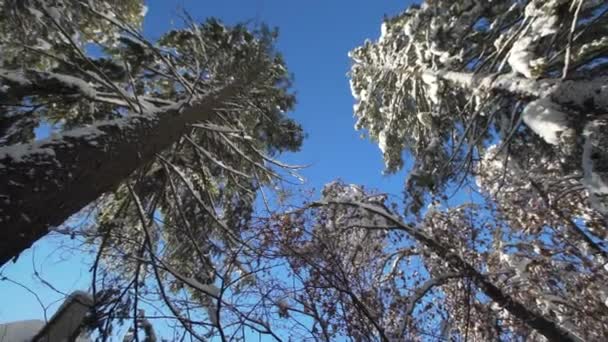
(54, 13)
(382, 141)
(543, 22)
(36, 13)
(432, 82)
(334, 191)
(85, 88)
(45, 149)
(144, 10)
(594, 45)
(410, 28)
(25, 331)
(518, 264)
(353, 90)
(90, 132)
(383, 32)
(425, 118)
(585, 94)
(546, 119)
(520, 57)
(14, 77)
(593, 180)
(21, 79)
(42, 44)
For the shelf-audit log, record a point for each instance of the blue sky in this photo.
(315, 37)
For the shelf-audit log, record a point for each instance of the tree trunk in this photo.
(45, 182)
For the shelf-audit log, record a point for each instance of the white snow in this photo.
(353, 90)
(20, 78)
(543, 21)
(25, 331)
(90, 132)
(14, 77)
(54, 13)
(582, 92)
(432, 82)
(351, 192)
(412, 25)
(518, 264)
(520, 57)
(144, 10)
(42, 44)
(36, 13)
(593, 45)
(425, 118)
(546, 119)
(382, 141)
(23, 152)
(70, 81)
(383, 32)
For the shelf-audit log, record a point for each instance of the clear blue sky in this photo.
(315, 39)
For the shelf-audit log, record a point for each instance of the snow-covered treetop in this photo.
(446, 77)
(512, 94)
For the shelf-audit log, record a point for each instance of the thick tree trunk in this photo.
(546, 327)
(45, 182)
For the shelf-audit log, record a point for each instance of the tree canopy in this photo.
(508, 100)
(168, 151)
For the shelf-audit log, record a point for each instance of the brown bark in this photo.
(58, 177)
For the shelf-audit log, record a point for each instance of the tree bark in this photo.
(45, 182)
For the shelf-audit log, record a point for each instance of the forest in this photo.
(163, 164)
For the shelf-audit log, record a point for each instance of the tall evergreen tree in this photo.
(446, 78)
(205, 105)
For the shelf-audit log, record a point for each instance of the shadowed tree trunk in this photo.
(45, 182)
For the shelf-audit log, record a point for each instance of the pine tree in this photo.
(446, 78)
(198, 114)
